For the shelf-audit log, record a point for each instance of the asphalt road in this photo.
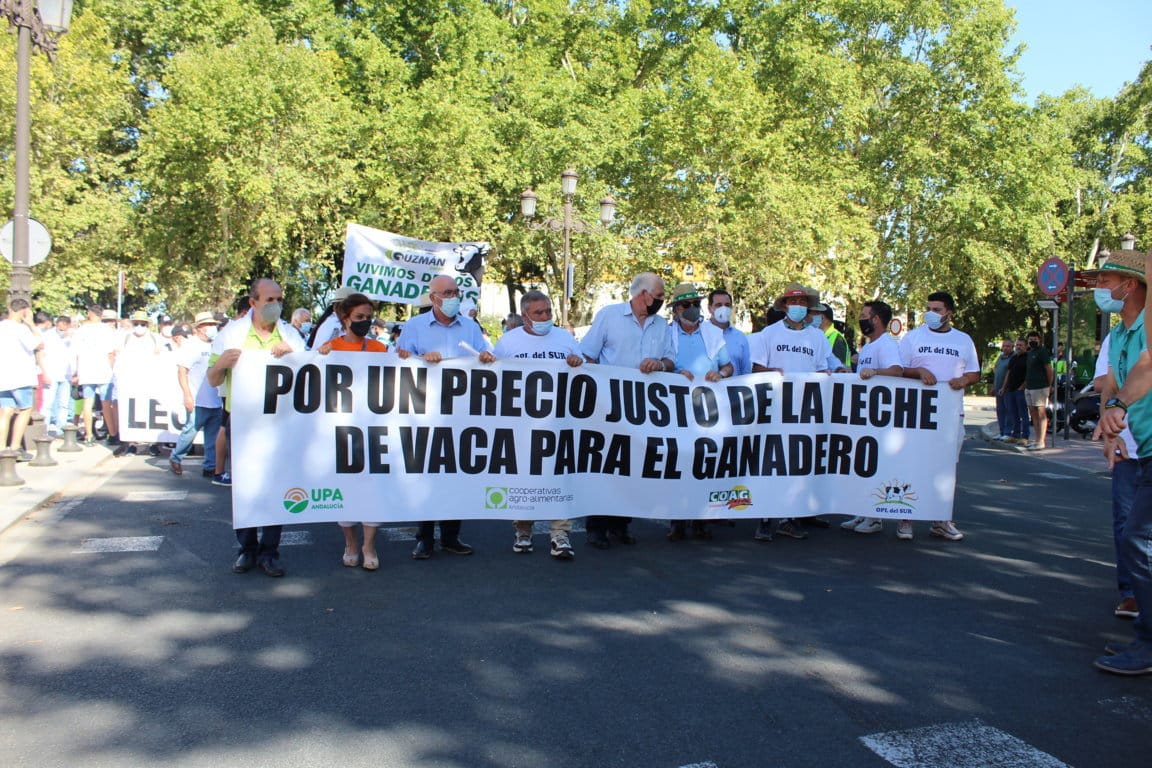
(842, 650)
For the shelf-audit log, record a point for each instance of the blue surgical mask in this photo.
(451, 307)
(542, 327)
(305, 328)
(797, 313)
(933, 319)
(1106, 302)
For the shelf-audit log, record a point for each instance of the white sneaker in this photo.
(904, 530)
(946, 529)
(523, 543)
(869, 525)
(1002, 438)
(850, 525)
(561, 547)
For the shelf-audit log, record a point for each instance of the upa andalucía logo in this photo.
(296, 500)
(895, 498)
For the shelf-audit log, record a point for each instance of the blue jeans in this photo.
(207, 419)
(1002, 414)
(57, 405)
(1138, 551)
(1125, 479)
(1018, 419)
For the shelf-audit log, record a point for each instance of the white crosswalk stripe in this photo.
(120, 544)
(957, 745)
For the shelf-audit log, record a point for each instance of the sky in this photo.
(1099, 44)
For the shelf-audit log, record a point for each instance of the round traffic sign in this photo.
(39, 241)
(1052, 276)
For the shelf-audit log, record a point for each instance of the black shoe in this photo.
(244, 563)
(598, 539)
(815, 522)
(153, 450)
(423, 550)
(113, 440)
(621, 535)
(271, 567)
(123, 449)
(456, 547)
(763, 531)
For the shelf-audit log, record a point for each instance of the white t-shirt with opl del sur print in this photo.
(517, 343)
(947, 354)
(793, 351)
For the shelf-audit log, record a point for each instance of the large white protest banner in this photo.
(354, 436)
(394, 268)
(150, 401)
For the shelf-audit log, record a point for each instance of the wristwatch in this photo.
(1115, 402)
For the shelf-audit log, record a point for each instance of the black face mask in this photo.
(1033, 344)
(654, 307)
(866, 327)
(360, 327)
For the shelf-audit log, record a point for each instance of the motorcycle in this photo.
(1085, 407)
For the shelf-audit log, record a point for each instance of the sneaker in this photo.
(561, 547)
(113, 440)
(1034, 447)
(1136, 659)
(850, 524)
(1127, 609)
(1115, 648)
(24, 456)
(523, 544)
(869, 525)
(904, 530)
(224, 479)
(791, 529)
(946, 529)
(763, 531)
(1002, 438)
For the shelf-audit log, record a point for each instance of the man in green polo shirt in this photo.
(261, 329)
(1122, 278)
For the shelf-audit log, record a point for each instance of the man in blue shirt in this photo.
(436, 336)
(632, 335)
(720, 305)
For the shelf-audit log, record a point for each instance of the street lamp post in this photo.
(35, 22)
(567, 224)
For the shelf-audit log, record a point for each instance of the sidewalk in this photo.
(43, 484)
(1076, 452)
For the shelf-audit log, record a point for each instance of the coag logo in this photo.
(296, 500)
(495, 498)
(735, 498)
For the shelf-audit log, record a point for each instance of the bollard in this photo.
(70, 444)
(8, 474)
(43, 453)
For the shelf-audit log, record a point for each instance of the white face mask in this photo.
(210, 332)
(139, 330)
(722, 314)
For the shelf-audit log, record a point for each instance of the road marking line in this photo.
(295, 538)
(708, 764)
(120, 544)
(1129, 706)
(1052, 476)
(957, 745)
(156, 496)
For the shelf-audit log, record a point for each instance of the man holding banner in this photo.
(436, 336)
(937, 352)
(631, 335)
(539, 340)
(260, 329)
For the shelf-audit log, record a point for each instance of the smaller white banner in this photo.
(389, 267)
(150, 402)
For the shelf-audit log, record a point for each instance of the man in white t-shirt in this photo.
(20, 350)
(202, 403)
(880, 356)
(540, 340)
(95, 344)
(937, 352)
(792, 345)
